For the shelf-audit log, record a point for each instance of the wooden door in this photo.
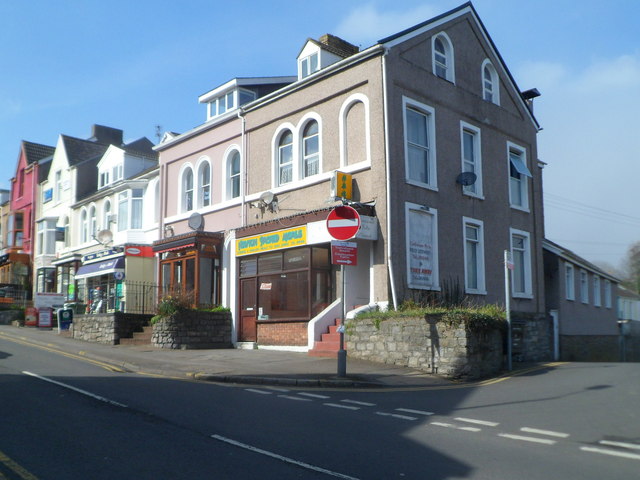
(248, 313)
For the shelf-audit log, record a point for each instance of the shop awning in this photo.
(101, 268)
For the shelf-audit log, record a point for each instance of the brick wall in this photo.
(282, 333)
(590, 348)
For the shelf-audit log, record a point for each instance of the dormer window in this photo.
(309, 65)
(229, 101)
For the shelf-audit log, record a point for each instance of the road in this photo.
(67, 418)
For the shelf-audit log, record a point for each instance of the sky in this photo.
(136, 65)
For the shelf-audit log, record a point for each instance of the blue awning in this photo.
(101, 268)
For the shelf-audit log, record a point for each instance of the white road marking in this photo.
(417, 412)
(456, 427)
(277, 389)
(281, 458)
(78, 390)
(546, 441)
(549, 433)
(255, 390)
(478, 422)
(613, 453)
(337, 405)
(620, 444)
(363, 404)
(291, 397)
(396, 415)
(314, 395)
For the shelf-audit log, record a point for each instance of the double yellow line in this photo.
(15, 468)
(50, 348)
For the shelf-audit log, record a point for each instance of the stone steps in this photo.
(139, 338)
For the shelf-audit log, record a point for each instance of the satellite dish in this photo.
(104, 236)
(196, 221)
(466, 178)
(267, 197)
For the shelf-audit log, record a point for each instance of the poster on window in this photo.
(420, 249)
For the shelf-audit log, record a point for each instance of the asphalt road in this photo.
(64, 418)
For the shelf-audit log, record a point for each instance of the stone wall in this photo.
(9, 316)
(107, 328)
(426, 344)
(532, 337)
(193, 330)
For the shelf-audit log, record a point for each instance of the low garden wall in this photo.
(427, 343)
(192, 329)
(107, 328)
(7, 317)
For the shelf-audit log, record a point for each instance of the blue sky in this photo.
(136, 64)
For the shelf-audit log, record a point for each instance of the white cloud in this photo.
(620, 72)
(365, 25)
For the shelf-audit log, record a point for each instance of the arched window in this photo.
(204, 185)
(93, 225)
(490, 83)
(187, 190)
(84, 227)
(443, 65)
(310, 149)
(233, 175)
(106, 215)
(285, 158)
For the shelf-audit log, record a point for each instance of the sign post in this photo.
(343, 224)
(508, 265)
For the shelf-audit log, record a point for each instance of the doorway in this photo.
(248, 314)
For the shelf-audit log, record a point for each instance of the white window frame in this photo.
(584, 286)
(527, 273)
(183, 192)
(233, 177)
(277, 167)
(597, 294)
(449, 64)
(494, 83)
(523, 200)
(306, 64)
(84, 226)
(480, 289)
(93, 221)
(304, 155)
(57, 192)
(413, 209)
(106, 214)
(430, 114)
(569, 281)
(474, 166)
(67, 231)
(607, 294)
(201, 184)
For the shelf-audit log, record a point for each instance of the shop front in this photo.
(190, 267)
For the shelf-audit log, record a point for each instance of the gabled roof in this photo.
(34, 152)
(79, 150)
(465, 8)
(142, 146)
(576, 259)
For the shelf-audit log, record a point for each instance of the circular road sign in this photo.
(343, 223)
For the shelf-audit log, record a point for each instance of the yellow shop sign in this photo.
(292, 237)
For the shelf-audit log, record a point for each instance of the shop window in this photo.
(269, 263)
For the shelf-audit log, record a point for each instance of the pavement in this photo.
(255, 367)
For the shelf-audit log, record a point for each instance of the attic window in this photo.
(229, 101)
(309, 65)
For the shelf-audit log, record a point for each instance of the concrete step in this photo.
(139, 338)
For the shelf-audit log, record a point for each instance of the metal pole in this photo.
(342, 353)
(507, 305)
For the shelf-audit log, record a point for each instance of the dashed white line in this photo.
(396, 415)
(545, 441)
(314, 395)
(75, 389)
(277, 389)
(613, 453)
(620, 444)
(549, 433)
(456, 427)
(362, 404)
(337, 405)
(281, 458)
(291, 397)
(477, 422)
(255, 390)
(417, 412)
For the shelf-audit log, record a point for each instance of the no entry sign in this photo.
(343, 222)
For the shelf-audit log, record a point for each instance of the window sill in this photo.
(426, 186)
(522, 209)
